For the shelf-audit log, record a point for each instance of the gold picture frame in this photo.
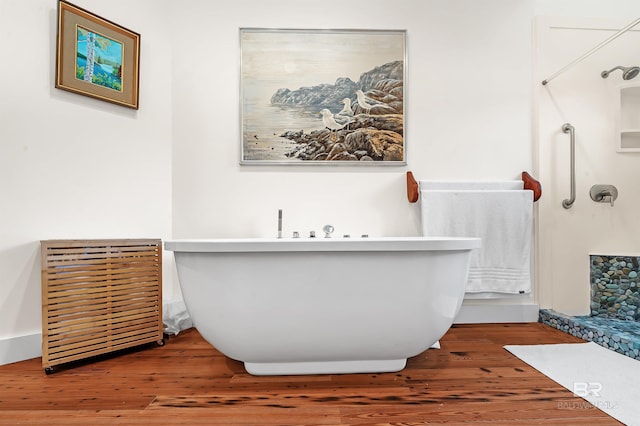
(96, 57)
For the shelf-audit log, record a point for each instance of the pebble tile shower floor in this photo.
(615, 298)
(622, 336)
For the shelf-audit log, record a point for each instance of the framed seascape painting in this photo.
(96, 57)
(322, 96)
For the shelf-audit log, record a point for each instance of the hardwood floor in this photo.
(471, 380)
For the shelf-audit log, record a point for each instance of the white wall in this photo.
(71, 166)
(626, 10)
(468, 111)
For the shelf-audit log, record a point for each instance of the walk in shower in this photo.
(604, 110)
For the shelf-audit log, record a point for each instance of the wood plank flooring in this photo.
(470, 380)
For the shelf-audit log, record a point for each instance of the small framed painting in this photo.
(96, 57)
(322, 96)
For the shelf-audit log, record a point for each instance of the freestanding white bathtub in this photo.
(323, 305)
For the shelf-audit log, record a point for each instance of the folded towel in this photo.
(471, 185)
(502, 218)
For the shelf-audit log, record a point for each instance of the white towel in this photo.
(472, 185)
(502, 218)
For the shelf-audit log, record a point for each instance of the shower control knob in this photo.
(328, 230)
(604, 194)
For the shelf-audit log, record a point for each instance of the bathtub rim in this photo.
(236, 245)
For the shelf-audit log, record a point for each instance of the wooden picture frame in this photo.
(96, 57)
(322, 97)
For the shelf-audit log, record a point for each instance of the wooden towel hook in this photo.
(530, 183)
(413, 192)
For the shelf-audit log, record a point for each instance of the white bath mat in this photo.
(606, 379)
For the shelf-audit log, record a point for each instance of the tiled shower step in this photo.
(618, 335)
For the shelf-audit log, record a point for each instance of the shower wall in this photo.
(614, 287)
(580, 96)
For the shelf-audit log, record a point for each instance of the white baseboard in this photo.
(497, 312)
(20, 348)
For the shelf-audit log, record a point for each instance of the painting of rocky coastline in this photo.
(322, 96)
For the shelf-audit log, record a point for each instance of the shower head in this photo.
(631, 72)
(627, 72)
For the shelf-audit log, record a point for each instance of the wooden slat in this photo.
(95, 350)
(101, 251)
(108, 322)
(96, 309)
(104, 340)
(63, 266)
(109, 287)
(116, 304)
(88, 253)
(78, 336)
(88, 269)
(102, 298)
(92, 310)
(99, 296)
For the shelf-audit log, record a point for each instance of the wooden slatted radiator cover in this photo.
(99, 296)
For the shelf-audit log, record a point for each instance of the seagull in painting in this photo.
(330, 122)
(346, 113)
(363, 101)
(346, 110)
